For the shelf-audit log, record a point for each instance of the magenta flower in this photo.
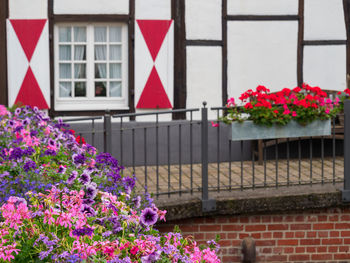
(148, 217)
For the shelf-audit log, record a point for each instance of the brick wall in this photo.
(317, 236)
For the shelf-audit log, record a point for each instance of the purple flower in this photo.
(84, 231)
(72, 177)
(84, 178)
(88, 210)
(153, 257)
(88, 202)
(78, 159)
(148, 217)
(61, 169)
(137, 201)
(90, 191)
(29, 165)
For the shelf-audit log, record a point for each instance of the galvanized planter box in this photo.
(247, 130)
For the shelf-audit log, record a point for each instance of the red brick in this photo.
(232, 235)
(321, 256)
(189, 228)
(255, 219)
(266, 250)
(333, 249)
(231, 259)
(341, 256)
(311, 249)
(289, 235)
(322, 218)
(266, 219)
(256, 235)
(225, 243)
(288, 250)
(277, 250)
(210, 228)
(289, 219)
(300, 250)
(344, 249)
(345, 233)
(299, 234)
(342, 225)
(198, 220)
(299, 257)
(236, 243)
(300, 226)
(288, 242)
(323, 226)
(332, 241)
(244, 219)
(265, 243)
(345, 218)
(311, 234)
(278, 258)
(310, 242)
(267, 235)
(210, 220)
(322, 233)
(347, 241)
(277, 234)
(222, 220)
(333, 218)
(334, 234)
(277, 218)
(232, 227)
(198, 236)
(277, 227)
(233, 220)
(299, 219)
(321, 249)
(210, 236)
(243, 235)
(255, 228)
(311, 218)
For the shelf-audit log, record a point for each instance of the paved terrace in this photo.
(299, 175)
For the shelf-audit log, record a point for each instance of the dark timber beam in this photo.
(300, 50)
(346, 5)
(224, 52)
(3, 52)
(178, 14)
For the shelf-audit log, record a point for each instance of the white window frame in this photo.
(90, 102)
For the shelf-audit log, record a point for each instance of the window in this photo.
(91, 67)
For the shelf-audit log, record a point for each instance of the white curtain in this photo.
(65, 89)
(115, 52)
(79, 55)
(115, 71)
(64, 34)
(65, 52)
(79, 34)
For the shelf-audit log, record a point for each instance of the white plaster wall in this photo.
(325, 66)
(262, 7)
(153, 9)
(261, 53)
(27, 9)
(204, 78)
(203, 19)
(324, 19)
(91, 6)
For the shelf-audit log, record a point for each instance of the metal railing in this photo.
(192, 158)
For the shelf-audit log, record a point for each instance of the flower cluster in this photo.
(303, 105)
(62, 201)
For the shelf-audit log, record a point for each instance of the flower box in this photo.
(247, 130)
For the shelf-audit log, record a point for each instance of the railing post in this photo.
(346, 190)
(207, 204)
(107, 132)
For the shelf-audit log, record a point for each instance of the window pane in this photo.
(80, 71)
(79, 34)
(115, 89)
(115, 34)
(100, 34)
(65, 52)
(80, 89)
(101, 52)
(65, 71)
(64, 34)
(115, 52)
(100, 71)
(65, 89)
(115, 71)
(80, 52)
(100, 89)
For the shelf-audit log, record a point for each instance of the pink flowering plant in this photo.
(62, 201)
(303, 105)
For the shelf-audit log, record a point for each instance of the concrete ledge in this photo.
(296, 198)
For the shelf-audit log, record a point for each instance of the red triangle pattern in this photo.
(153, 95)
(30, 92)
(28, 33)
(154, 32)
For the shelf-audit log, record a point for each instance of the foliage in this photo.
(62, 201)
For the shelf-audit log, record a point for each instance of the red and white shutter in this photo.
(28, 62)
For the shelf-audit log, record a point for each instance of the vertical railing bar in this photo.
(265, 183)
(180, 166)
(204, 154)
(333, 148)
(218, 153)
(276, 155)
(191, 151)
(157, 154)
(229, 163)
(322, 158)
(242, 165)
(121, 140)
(145, 157)
(288, 162)
(299, 157)
(168, 142)
(310, 140)
(253, 167)
(133, 149)
(93, 132)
